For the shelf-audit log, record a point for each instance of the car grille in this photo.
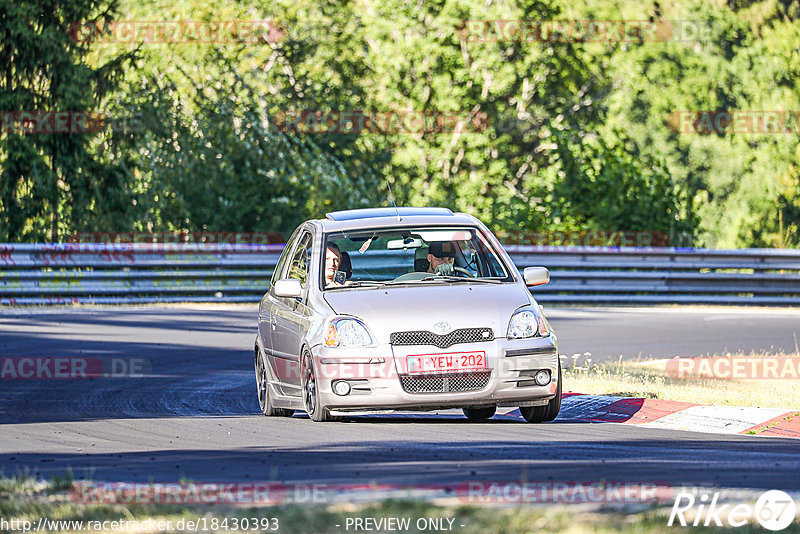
(451, 383)
(423, 337)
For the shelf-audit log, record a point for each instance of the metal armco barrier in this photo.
(98, 273)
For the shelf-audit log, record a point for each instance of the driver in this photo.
(441, 257)
(333, 258)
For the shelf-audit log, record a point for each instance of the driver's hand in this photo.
(444, 269)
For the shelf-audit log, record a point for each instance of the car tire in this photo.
(480, 414)
(315, 410)
(263, 390)
(548, 412)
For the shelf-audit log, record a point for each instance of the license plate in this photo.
(451, 361)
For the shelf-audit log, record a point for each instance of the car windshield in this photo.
(396, 256)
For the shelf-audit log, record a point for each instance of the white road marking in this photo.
(716, 419)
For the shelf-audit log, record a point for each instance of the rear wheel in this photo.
(548, 412)
(316, 411)
(263, 389)
(480, 414)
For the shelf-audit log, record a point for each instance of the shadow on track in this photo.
(763, 464)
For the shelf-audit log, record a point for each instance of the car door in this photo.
(267, 321)
(291, 318)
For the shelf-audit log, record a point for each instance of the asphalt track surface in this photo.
(195, 414)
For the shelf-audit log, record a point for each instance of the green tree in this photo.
(52, 183)
(541, 100)
(210, 161)
(741, 58)
(212, 158)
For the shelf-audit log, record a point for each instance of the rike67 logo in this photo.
(774, 510)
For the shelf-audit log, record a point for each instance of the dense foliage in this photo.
(561, 135)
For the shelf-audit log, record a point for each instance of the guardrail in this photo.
(46, 274)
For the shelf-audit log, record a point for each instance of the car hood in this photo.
(394, 309)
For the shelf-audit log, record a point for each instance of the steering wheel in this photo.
(463, 270)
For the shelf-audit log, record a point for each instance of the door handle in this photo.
(273, 321)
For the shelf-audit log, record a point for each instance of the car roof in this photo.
(371, 213)
(388, 217)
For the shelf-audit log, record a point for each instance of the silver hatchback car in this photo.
(387, 309)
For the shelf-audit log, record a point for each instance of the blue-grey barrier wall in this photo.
(100, 273)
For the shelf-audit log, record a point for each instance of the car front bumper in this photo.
(377, 382)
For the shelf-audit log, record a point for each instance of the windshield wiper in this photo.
(360, 283)
(459, 279)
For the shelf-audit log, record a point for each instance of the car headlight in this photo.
(347, 332)
(526, 323)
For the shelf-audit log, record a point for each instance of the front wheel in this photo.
(480, 414)
(548, 412)
(316, 411)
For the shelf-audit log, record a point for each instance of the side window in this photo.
(490, 265)
(301, 259)
(280, 267)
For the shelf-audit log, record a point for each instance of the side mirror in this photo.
(289, 288)
(536, 276)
